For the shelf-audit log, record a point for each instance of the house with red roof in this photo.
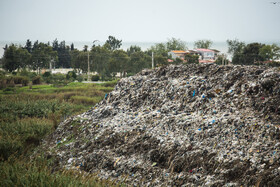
(177, 54)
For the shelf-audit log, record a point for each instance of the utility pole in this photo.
(51, 66)
(88, 64)
(152, 60)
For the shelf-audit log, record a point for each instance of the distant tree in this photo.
(270, 52)
(158, 49)
(42, 56)
(15, 58)
(205, 44)
(221, 59)
(160, 60)
(72, 46)
(82, 62)
(35, 45)
(235, 46)
(6, 47)
(93, 43)
(55, 45)
(133, 49)
(75, 61)
(138, 60)
(85, 48)
(112, 43)
(64, 58)
(192, 58)
(100, 63)
(28, 46)
(251, 54)
(10, 59)
(119, 62)
(175, 44)
(24, 57)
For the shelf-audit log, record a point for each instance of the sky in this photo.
(139, 20)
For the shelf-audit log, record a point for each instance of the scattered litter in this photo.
(156, 127)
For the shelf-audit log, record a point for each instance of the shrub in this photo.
(71, 74)
(36, 80)
(9, 90)
(274, 64)
(80, 78)
(47, 74)
(21, 80)
(95, 78)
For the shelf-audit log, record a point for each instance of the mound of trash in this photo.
(184, 125)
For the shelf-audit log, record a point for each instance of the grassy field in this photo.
(27, 115)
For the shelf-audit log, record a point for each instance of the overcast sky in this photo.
(139, 20)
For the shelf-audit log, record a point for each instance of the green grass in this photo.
(27, 115)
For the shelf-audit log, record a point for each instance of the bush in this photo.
(47, 74)
(274, 64)
(80, 78)
(21, 80)
(9, 90)
(95, 78)
(36, 80)
(71, 74)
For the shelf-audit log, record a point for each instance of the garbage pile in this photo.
(184, 125)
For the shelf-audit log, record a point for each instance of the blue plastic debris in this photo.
(106, 95)
(199, 129)
(193, 93)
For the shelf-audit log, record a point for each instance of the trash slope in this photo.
(188, 125)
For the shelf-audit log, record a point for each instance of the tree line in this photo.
(106, 60)
(253, 53)
(109, 59)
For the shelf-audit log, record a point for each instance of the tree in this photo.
(175, 44)
(222, 60)
(270, 52)
(15, 58)
(133, 49)
(42, 56)
(112, 43)
(138, 60)
(85, 48)
(251, 54)
(82, 61)
(192, 58)
(100, 63)
(10, 58)
(119, 62)
(75, 63)
(158, 49)
(235, 47)
(204, 44)
(28, 46)
(72, 47)
(24, 57)
(55, 45)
